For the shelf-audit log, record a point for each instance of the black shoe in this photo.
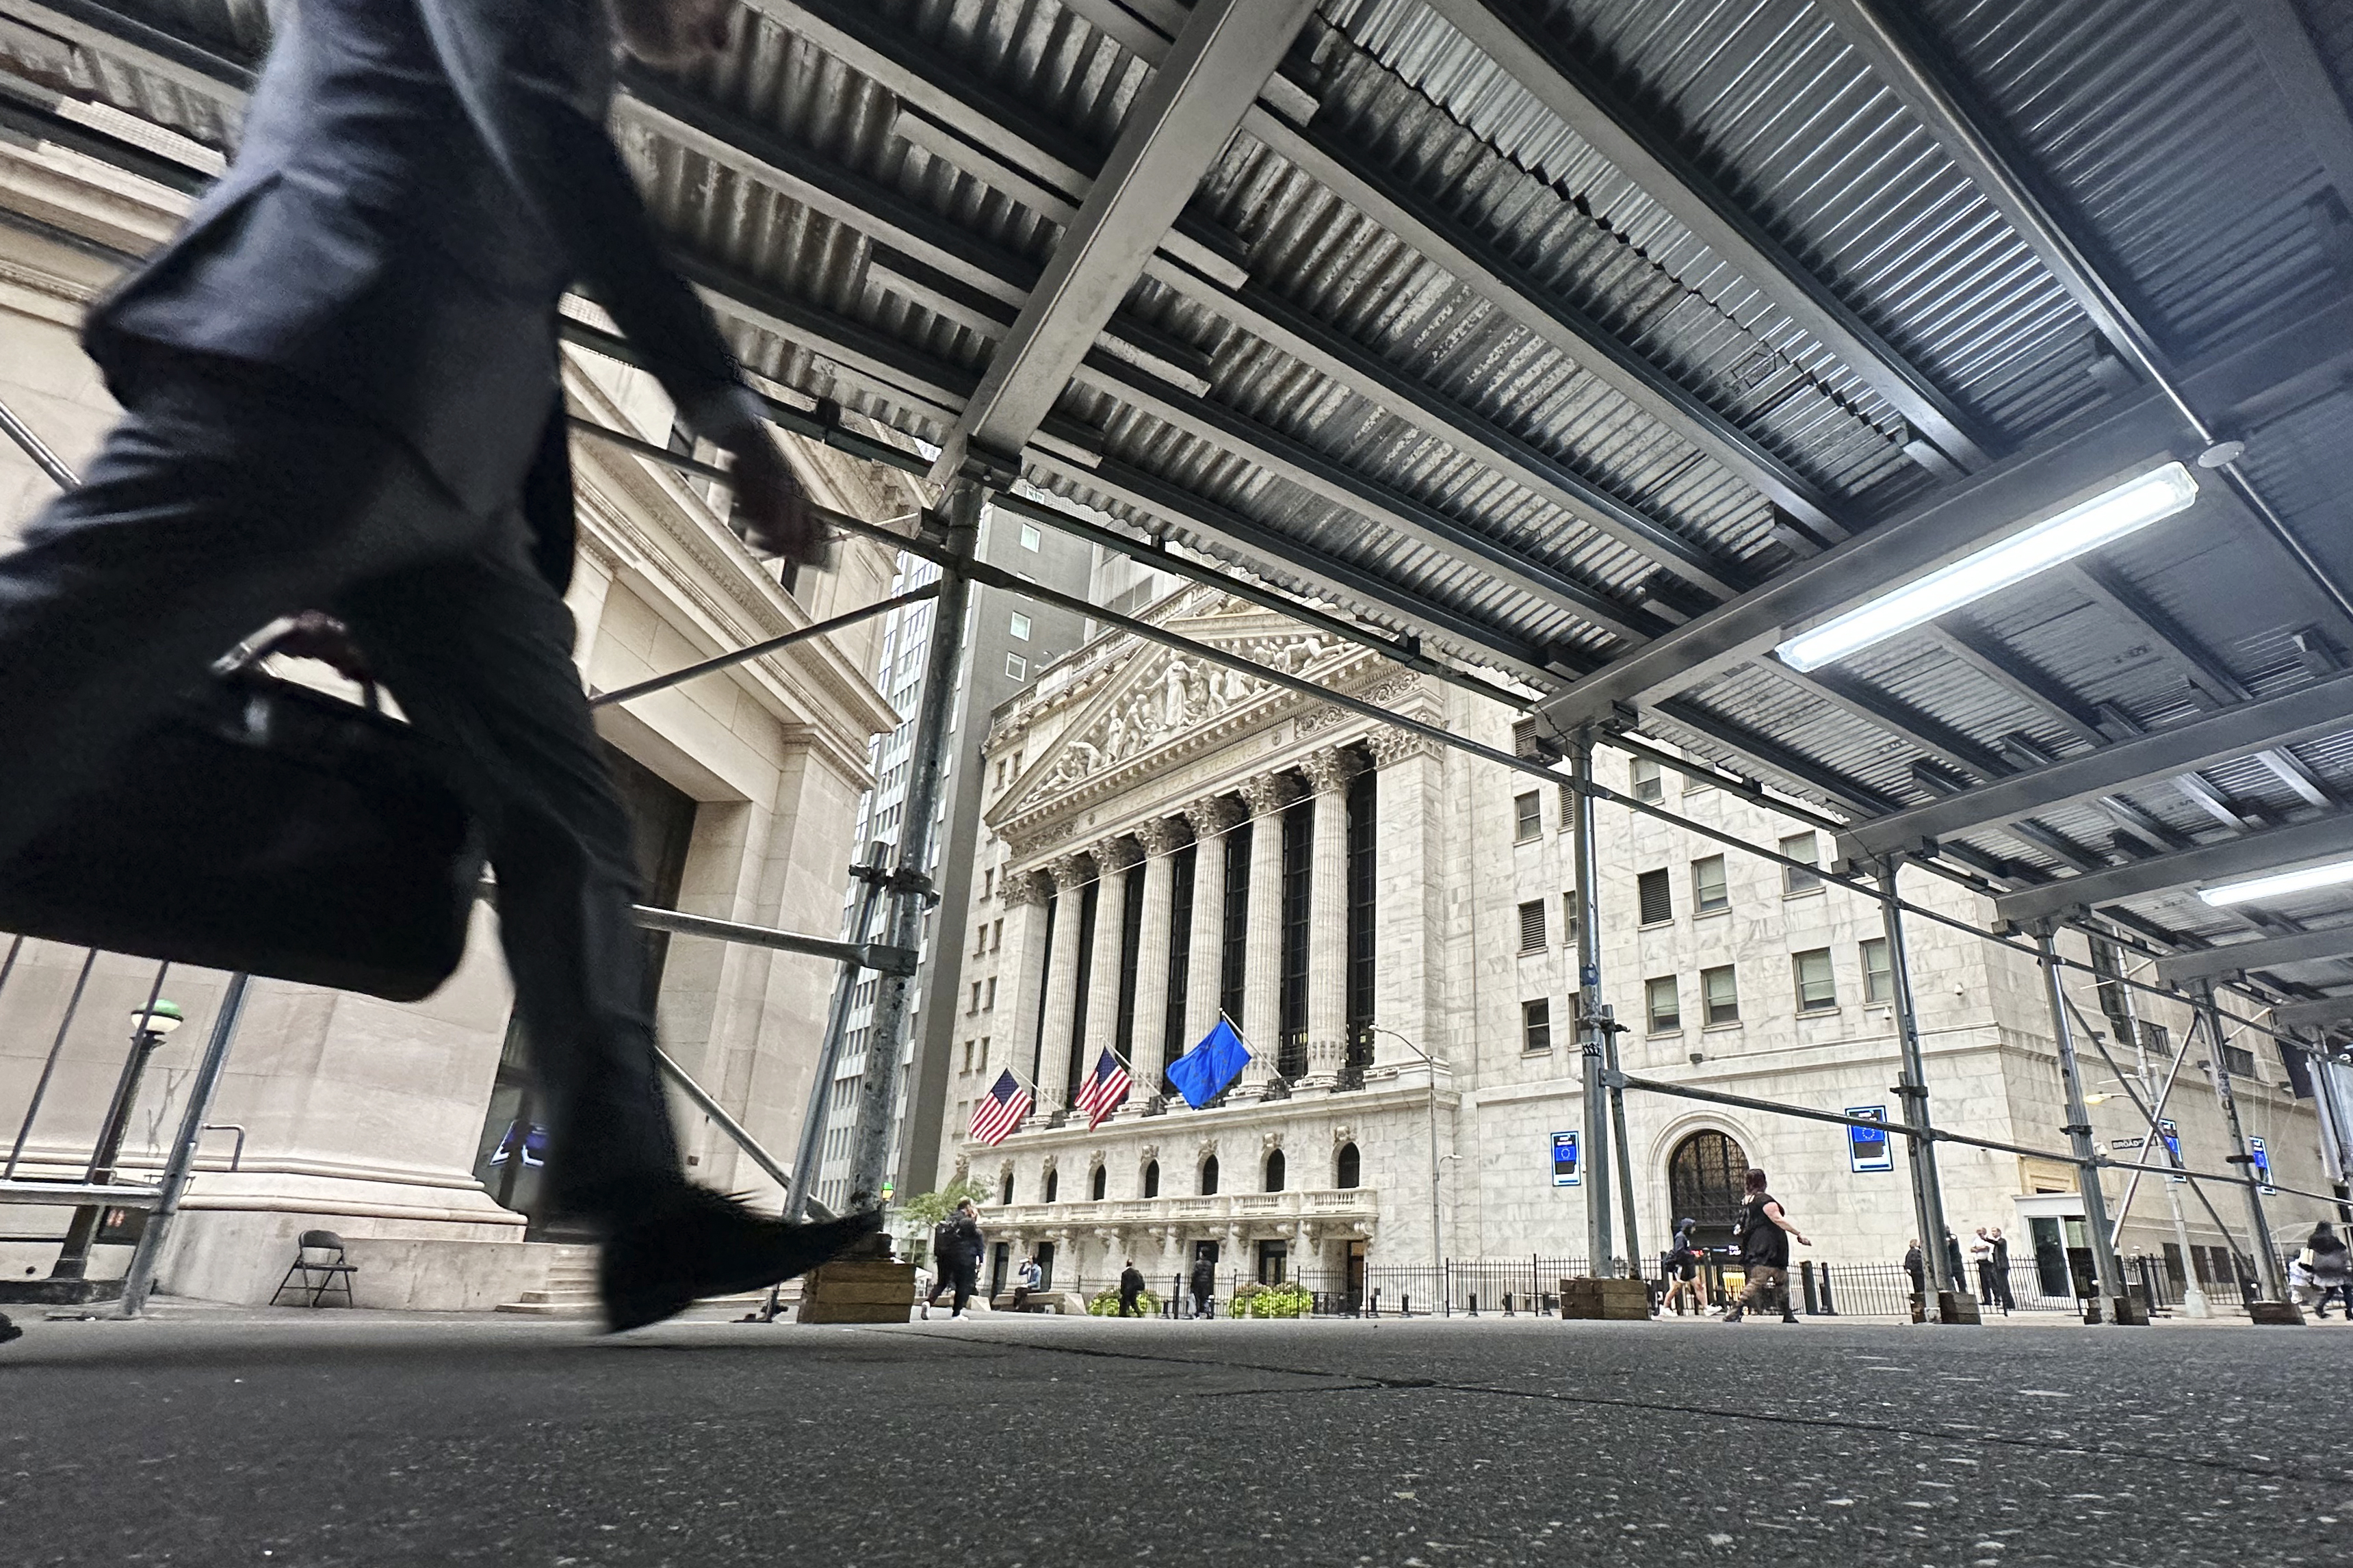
(1791, 1317)
(699, 1244)
(1732, 1316)
(9, 1331)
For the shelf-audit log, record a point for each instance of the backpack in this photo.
(944, 1240)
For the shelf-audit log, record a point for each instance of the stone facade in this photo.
(1129, 749)
(375, 1119)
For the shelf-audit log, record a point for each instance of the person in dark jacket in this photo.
(341, 393)
(1204, 1283)
(1131, 1287)
(957, 1246)
(1915, 1266)
(2331, 1267)
(2001, 1291)
(1764, 1233)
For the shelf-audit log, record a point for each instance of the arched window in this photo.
(1097, 1186)
(1152, 1178)
(1346, 1170)
(1005, 1193)
(1275, 1171)
(1053, 1183)
(1209, 1177)
(1703, 1184)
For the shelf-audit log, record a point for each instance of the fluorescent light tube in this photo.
(2127, 508)
(2278, 884)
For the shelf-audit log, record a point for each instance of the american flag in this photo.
(995, 1118)
(1104, 1090)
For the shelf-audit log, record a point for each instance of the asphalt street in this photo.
(342, 1437)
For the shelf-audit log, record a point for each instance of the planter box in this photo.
(855, 1292)
(1616, 1300)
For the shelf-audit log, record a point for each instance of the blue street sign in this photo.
(2262, 1157)
(1866, 1147)
(2173, 1151)
(1564, 1159)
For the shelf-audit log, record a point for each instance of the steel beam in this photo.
(2245, 957)
(2318, 1014)
(2093, 452)
(2320, 707)
(2306, 86)
(1568, 83)
(2247, 855)
(1177, 128)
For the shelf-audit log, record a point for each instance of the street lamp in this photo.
(1436, 1251)
(150, 1025)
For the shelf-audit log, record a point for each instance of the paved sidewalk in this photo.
(234, 1436)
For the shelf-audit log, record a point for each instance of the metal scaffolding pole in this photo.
(1624, 1146)
(1912, 1088)
(911, 886)
(2193, 1298)
(141, 1278)
(1592, 1029)
(2267, 1265)
(2079, 1137)
(872, 878)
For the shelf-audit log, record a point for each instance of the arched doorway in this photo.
(1703, 1184)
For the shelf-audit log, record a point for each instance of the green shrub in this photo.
(1289, 1299)
(1106, 1305)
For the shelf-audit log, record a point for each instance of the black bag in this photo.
(263, 826)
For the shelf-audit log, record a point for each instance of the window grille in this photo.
(1656, 898)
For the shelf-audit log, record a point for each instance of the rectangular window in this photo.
(1816, 990)
(1536, 1026)
(995, 935)
(1719, 995)
(974, 1006)
(1648, 786)
(1020, 626)
(2238, 1061)
(1663, 998)
(1031, 538)
(1801, 846)
(1708, 891)
(988, 882)
(1527, 817)
(1657, 900)
(1532, 926)
(988, 997)
(980, 938)
(1878, 976)
(1569, 931)
(1567, 809)
(1015, 667)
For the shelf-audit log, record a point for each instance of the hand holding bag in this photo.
(264, 827)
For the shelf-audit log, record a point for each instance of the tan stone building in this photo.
(384, 1122)
(1165, 839)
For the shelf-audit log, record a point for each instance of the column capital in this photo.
(1022, 889)
(1329, 771)
(1392, 746)
(1269, 793)
(1114, 855)
(1065, 870)
(1159, 835)
(1212, 817)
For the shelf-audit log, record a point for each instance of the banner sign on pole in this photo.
(1866, 1147)
(2262, 1157)
(1564, 1159)
(2173, 1151)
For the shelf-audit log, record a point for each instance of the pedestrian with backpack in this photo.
(1763, 1231)
(956, 1247)
(1683, 1260)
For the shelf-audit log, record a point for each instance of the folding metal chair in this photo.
(319, 1276)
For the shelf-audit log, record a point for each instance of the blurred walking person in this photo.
(957, 1247)
(341, 393)
(2326, 1256)
(1682, 1262)
(1764, 1231)
(1131, 1287)
(2001, 1262)
(1205, 1285)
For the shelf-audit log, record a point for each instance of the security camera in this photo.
(1697, 1057)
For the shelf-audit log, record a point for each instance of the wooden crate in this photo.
(1614, 1300)
(858, 1292)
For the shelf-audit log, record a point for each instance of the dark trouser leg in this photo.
(476, 648)
(225, 499)
(967, 1279)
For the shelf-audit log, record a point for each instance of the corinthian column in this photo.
(1112, 857)
(1024, 967)
(1061, 987)
(1263, 961)
(1204, 968)
(1147, 1047)
(1329, 774)
(1410, 890)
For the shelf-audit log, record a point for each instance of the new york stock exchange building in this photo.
(1390, 925)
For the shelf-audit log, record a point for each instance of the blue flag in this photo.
(1204, 1072)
